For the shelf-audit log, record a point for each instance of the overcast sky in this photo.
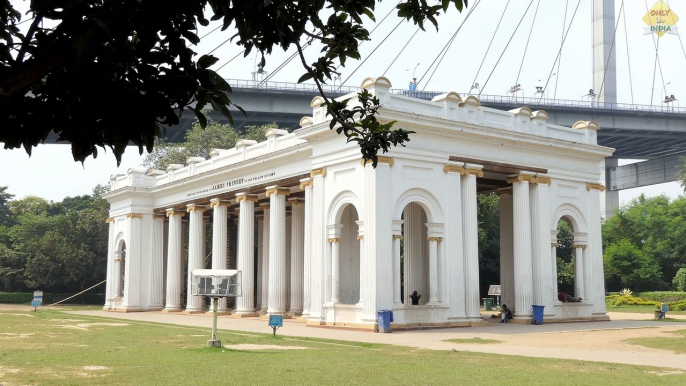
(51, 172)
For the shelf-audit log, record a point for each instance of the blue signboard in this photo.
(35, 303)
(275, 321)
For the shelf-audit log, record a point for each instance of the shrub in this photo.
(15, 297)
(662, 296)
(626, 292)
(677, 306)
(634, 301)
(679, 281)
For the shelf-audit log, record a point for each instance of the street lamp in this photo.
(663, 90)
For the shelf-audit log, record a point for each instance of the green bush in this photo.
(634, 301)
(49, 298)
(679, 281)
(662, 296)
(677, 306)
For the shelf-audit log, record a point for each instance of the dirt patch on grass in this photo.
(263, 347)
(86, 326)
(473, 340)
(8, 370)
(95, 368)
(666, 372)
(12, 335)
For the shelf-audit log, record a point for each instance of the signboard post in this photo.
(37, 299)
(275, 321)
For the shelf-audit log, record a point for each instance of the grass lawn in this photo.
(53, 348)
(676, 343)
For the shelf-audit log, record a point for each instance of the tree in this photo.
(5, 212)
(29, 205)
(565, 257)
(488, 215)
(106, 73)
(627, 266)
(199, 142)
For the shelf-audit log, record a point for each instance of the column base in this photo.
(190, 311)
(171, 310)
(266, 316)
(129, 309)
(240, 315)
(155, 308)
(219, 313)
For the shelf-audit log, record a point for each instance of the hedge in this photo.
(49, 298)
(662, 296)
(634, 301)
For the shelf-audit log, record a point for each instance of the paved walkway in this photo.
(589, 341)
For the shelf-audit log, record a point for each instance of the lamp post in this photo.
(663, 92)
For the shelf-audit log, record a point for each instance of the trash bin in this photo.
(538, 314)
(383, 318)
(488, 304)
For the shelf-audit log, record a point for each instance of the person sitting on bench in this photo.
(415, 298)
(563, 297)
(505, 314)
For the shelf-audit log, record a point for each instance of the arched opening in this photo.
(120, 269)
(349, 260)
(344, 276)
(570, 251)
(414, 256)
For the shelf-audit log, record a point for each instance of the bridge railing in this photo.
(428, 95)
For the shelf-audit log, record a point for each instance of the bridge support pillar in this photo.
(611, 196)
(604, 80)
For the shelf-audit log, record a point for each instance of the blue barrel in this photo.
(384, 320)
(538, 314)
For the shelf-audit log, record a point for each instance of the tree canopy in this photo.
(107, 73)
(644, 245)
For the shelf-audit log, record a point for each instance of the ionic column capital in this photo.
(473, 170)
(264, 207)
(380, 160)
(172, 212)
(360, 237)
(521, 177)
(398, 237)
(246, 197)
(221, 203)
(156, 216)
(277, 191)
(595, 185)
(195, 208)
(434, 238)
(318, 172)
(134, 215)
(504, 191)
(582, 246)
(109, 220)
(295, 201)
(334, 240)
(545, 180)
(305, 182)
(554, 245)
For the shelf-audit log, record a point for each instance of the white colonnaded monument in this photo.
(318, 234)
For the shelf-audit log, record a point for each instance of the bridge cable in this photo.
(507, 45)
(607, 63)
(628, 61)
(527, 42)
(205, 35)
(370, 55)
(550, 75)
(679, 36)
(447, 45)
(564, 24)
(657, 64)
(489, 45)
(295, 54)
(401, 51)
(229, 61)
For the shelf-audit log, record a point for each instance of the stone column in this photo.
(110, 284)
(522, 245)
(378, 241)
(540, 231)
(264, 272)
(260, 233)
(174, 262)
(118, 289)
(277, 250)
(306, 184)
(364, 277)
(595, 251)
(452, 248)
(157, 264)
(335, 268)
(132, 266)
(397, 236)
(246, 253)
(470, 240)
(553, 254)
(318, 248)
(297, 255)
(506, 252)
(219, 240)
(196, 254)
(433, 269)
(579, 281)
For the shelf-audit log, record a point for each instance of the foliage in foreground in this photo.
(109, 73)
(84, 350)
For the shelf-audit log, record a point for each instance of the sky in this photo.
(51, 172)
